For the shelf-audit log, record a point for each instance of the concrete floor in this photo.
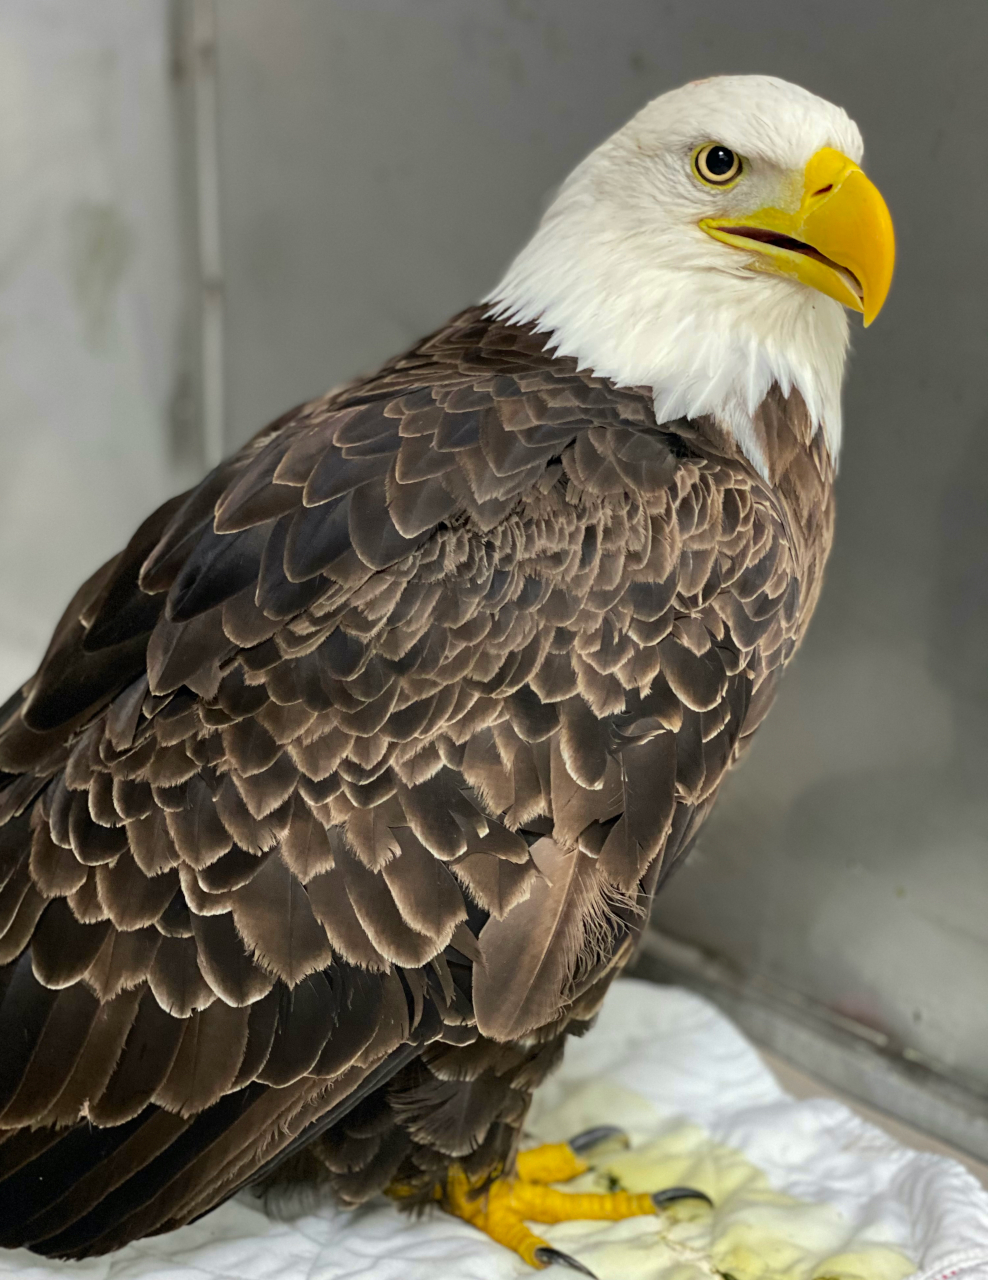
(802, 1085)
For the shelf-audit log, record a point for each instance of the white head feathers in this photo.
(622, 276)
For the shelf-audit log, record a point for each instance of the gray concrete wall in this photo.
(380, 162)
(90, 297)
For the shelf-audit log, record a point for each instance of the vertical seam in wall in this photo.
(208, 210)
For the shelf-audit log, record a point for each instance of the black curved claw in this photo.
(548, 1256)
(590, 1138)
(671, 1194)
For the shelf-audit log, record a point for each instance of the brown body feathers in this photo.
(340, 794)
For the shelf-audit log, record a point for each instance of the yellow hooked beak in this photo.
(840, 239)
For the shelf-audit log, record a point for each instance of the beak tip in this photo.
(871, 312)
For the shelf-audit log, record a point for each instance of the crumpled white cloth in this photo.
(668, 1061)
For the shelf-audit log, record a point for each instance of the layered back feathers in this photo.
(460, 651)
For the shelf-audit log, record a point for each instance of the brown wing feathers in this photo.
(270, 796)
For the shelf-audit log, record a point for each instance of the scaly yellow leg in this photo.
(553, 1162)
(502, 1209)
(494, 1213)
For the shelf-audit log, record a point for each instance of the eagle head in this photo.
(710, 248)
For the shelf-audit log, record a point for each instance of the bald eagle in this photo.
(340, 795)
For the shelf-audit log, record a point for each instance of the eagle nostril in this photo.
(823, 190)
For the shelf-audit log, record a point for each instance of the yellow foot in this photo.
(502, 1208)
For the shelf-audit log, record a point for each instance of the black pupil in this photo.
(719, 161)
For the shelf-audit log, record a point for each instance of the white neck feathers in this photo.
(702, 350)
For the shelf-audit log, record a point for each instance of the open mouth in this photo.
(779, 241)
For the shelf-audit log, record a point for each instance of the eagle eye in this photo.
(716, 164)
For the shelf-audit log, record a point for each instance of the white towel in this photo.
(803, 1189)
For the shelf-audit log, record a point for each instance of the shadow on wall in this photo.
(958, 620)
(101, 245)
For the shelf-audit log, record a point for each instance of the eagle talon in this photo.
(503, 1208)
(603, 1135)
(545, 1256)
(671, 1194)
